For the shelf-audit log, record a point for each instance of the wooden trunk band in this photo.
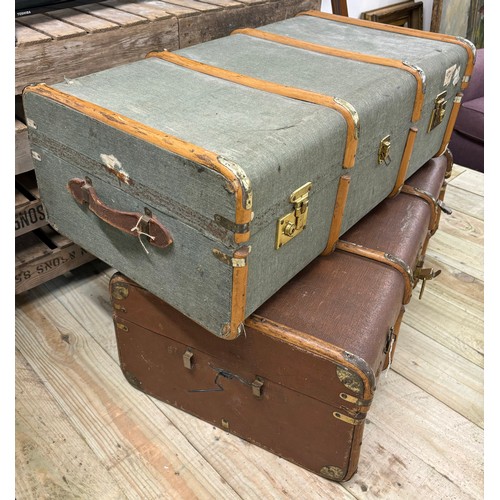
(168, 142)
(429, 199)
(405, 162)
(451, 124)
(321, 348)
(384, 258)
(405, 31)
(276, 88)
(346, 54)
(338, 214)
(238, 297)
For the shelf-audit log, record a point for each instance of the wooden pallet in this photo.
(43, 254)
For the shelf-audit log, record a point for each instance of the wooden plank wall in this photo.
(69, 43)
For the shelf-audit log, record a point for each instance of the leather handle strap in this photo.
(132, 223)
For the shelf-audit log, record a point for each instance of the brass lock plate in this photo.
(384, 150)
(293, 223)
(439, 111)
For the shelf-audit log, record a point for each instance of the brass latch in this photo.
(294, 223)
(384, 150)
(437, 115)
(425, 275)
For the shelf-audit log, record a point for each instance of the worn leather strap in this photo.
(132, 223)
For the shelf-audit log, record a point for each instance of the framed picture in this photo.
(339, 7)
(407, 14)
(451, 16)
(475, 28)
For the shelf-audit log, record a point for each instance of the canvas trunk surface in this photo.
(301, 380)
(213, 175)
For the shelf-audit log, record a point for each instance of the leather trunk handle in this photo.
(132, 223)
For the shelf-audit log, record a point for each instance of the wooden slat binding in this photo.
(451, 124)
(347, 54)
(274, 88)
(91, 24)
(26, 36)
(301, 340)
(405, 161)
(238, 296)
(429, 199)
(439, 37)
(140, 9)
(113, 15)
(160, 139)
(196, 5)
(384, 258)
(338, 214)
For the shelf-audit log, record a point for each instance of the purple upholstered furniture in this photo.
(467, 140)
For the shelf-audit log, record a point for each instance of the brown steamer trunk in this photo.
(301, 381)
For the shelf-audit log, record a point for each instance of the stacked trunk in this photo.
(300, 382)
(276, 188)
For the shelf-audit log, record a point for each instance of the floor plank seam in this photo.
(481, 354)
(436, 398)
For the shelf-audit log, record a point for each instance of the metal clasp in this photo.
(257, 387)
(425, 275)
(294, 223)
(187, 359)
(439, 111)
(384, 150)
(444, 208)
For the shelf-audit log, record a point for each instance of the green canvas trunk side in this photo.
(164, 270)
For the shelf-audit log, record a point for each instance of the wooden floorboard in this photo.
(83, 432)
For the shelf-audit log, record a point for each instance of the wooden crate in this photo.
(44, 254)
(23, 156)
(30, 214)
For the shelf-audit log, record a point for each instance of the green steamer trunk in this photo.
(211, 176)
